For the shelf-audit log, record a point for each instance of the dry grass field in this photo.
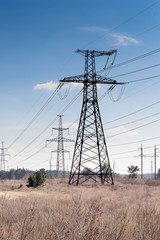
(129, 210)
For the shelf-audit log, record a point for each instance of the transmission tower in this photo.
(60, 166)
(90, 157)
(3, 155)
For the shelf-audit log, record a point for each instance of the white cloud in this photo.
(70, 125)
(119, 38)
(48, 86)
(123, 40)
(121, 129)
(94, 29)
(52, 86)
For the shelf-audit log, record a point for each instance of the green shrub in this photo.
(36, 179)
(20, 186)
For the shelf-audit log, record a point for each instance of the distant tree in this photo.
(158, 174)
(20, 173)
(86, 171)
(51, 174)
(133, 171)
(3, 174)
(11, 174)
(36, 179)
(105, 168)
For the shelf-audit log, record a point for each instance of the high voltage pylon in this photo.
(60, 165)
(90, 157)
(2, 156)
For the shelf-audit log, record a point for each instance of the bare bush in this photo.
(59, 211)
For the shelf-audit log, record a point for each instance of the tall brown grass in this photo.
(58, 211)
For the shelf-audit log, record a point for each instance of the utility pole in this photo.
(113, 167)
(141, 158)
(50, 168)
(2, 156)
(151, 169)
(90, 157)
(155, 162)
(60, 166)
(141, 161)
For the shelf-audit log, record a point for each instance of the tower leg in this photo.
(90, 158)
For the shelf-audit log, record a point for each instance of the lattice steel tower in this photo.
(2, 156)
(90, 157)
(60, 165)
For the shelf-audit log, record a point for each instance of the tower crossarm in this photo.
(60, 128)
(90, 79)
(96, 53)
(58, 139)
(78, 79)
(105, 80)
(64, 151)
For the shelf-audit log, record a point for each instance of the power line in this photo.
(133, 121)
(139, 13)
(54, 93)
(130, 143)
(135, 71)
(64, 110)
(35, 153)
(121, 153)
(147, 30)
(126, 21)
(135, 58)
(110, 145)
(44, 106)
(127, 115)
(142, 79)
(139, 110)
(35, 117)
(125, 157)
(134, 128)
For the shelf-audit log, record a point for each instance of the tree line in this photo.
(21, 173)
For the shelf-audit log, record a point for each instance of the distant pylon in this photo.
(3, 155)
(60, 165)
(91, 158)
(155, 162)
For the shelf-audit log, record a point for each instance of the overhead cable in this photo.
(127, 115)
(117, 134)
(124, 124)
(135, 71)
(130, 143)
(35, 117)
(136, 58)
(126, 21)
(142, 79)
(64, 110)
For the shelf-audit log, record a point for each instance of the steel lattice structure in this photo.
(90, 157)
(2, 156)
(60, 165)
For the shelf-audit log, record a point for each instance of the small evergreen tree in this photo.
(158, 174)
(133, 170)
(87, 170)
(36, 179)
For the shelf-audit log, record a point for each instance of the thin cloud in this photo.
(52, 86)
(70, 125)
(119, 38)
(123, 40)
(121, 129)
(48, 86)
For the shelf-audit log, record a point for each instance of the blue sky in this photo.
(37, 45)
